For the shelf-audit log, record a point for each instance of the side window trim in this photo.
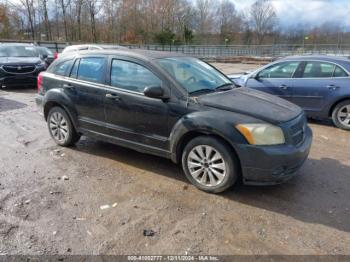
(71, 70)
(298, 72)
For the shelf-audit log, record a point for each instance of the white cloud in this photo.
(311, 12)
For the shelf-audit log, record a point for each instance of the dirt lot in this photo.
(41, 213)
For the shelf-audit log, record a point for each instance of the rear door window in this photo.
(91, 69)
(318, 70)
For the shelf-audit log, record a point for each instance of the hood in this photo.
(19, 60)
(239, 79)
(252, 103)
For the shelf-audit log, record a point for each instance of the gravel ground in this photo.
(51, 198)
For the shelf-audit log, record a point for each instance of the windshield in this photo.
(18, 51)
(193, 74)
(45, 51)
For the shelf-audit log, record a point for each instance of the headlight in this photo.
(41, 65)
(262, 134)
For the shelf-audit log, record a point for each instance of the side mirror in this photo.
(257, 77)
(154, 92)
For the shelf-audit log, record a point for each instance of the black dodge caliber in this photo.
(175, 107)
(20, 65)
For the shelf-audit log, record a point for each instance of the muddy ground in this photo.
(41, 213)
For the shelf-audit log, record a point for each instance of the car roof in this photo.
(42, 47)
(340, 60)
(77, 47)
(318, 57)
(17, 44)
(110, 46)
(136, 53)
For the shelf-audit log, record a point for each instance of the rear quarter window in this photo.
(62, 67)
(339, 72)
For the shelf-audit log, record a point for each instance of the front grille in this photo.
(296, 130)
(19, 69)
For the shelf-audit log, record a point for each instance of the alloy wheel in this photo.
(206, 165)
(344, 115)
(58, 127)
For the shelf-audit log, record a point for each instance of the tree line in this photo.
(156, 21)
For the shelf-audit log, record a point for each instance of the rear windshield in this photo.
(18, 51)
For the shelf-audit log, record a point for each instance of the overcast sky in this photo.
(312, 12)
(309, 12)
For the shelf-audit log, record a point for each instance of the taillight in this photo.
(39, 82)
(55, 55)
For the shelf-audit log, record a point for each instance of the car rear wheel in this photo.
(341, 115)
(61, 128)
(210, 164)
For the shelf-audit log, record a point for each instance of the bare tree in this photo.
(94, 9)
(64, 4)
(44, 4)
(262, 18)
(78, 9)
(30, 11)
(205, 18)
(229, 22)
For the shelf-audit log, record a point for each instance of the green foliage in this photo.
(165, 37)
(188, 35)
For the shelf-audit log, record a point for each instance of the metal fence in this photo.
(222, 51)
(226, 51)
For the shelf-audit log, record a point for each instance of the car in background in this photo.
(176, 107)
(46, 55)
(78, 48)
(20, 65)
(318, 84)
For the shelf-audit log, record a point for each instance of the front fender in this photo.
(218, 123)
(58, 96)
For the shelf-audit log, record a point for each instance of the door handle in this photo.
(284, 87)
(112, 96)
(332, 87)
(68, 86)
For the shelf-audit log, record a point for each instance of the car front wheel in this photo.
(341, 115)
(210, 164)
(61, 128)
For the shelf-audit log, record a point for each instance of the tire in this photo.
(61, 128)
(341, 115)
(216, 171)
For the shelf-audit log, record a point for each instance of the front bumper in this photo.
(19, 80)
(270, 165)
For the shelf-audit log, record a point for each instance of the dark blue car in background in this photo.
(318, 84)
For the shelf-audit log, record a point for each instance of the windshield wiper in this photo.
(204, 90)
(225, 87)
